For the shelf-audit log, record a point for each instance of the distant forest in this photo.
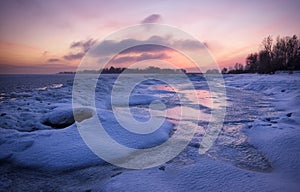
(117, 70)
(284, 54)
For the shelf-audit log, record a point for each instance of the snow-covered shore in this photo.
(35, 156)
(276, 136)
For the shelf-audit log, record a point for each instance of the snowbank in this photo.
(278, 134)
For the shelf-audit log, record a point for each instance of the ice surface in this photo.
(263, 129)
(276, 136)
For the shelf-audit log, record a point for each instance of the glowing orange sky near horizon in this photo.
(175, 58)
(37, 35)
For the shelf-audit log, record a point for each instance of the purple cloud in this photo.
(144, 56)
(150, 45)
(146, 48)
(75, 56)
(84, 46)
(53, 60)
(154, 18)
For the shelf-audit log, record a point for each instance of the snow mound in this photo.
(51, 150)
(64, 149)
(64, 117)
(276, 135)
(130, 139)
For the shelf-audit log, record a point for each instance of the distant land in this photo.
(116, 70)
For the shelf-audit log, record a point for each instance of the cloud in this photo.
(150, 45)
(83, 47)
(146, 48)
(206, 45)
(188, 44)
(75, 56)
(154, 18)
(110, 47)
(53, 60)
(144, 56)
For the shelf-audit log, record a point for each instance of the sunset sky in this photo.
(52, 36)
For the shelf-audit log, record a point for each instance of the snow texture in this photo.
(253, 153)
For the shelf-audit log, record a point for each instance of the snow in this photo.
(49, 150)
(64, 149)
(279, 142)
(62, 117)
(131, 139)
(39, 136)
(44, 136)
(207, 175)
(278, 136)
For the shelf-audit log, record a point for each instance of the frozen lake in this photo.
(257, 148)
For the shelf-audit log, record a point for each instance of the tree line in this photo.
(284, 54)
(150, 69)
(118, 70)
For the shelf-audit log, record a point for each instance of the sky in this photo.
(51, 36)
